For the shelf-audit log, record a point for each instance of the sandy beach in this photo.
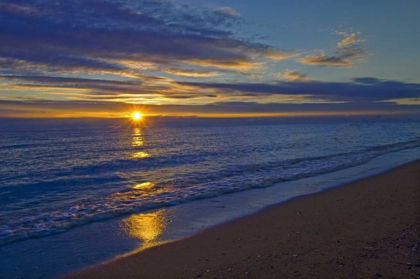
(364, 229)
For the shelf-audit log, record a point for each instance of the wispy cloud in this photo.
(189, 73)
(325, 60)
(349, 38)
(348, 50)
(278, 55)
(293, 75)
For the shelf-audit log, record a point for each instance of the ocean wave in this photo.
(148, 196)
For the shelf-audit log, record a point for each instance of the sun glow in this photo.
(137, 116)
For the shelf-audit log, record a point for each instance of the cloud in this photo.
(89, 86)
(125, 50)
(225, 16)
(325, 60)
(343, 57)
(228, 11)
(278, 55)
(348, 50)
(50, 62)
(105, 37)
(350, 39)
(189, 73)
(131, 90)
(17, 9)
(360, 90)
(351, 52)
(367, 80)
(405, 101)
(293, 75)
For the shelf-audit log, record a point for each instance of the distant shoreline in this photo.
(365, 229)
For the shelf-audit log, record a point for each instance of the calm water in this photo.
(53, 180)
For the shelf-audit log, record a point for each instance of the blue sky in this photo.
(389, 30)
(104, 58)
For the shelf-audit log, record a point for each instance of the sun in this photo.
(137, 116)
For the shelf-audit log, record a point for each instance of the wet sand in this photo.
(365, 229)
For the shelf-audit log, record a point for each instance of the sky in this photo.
(231, 58)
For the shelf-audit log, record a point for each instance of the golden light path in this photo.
(146, 226)
(137, 141)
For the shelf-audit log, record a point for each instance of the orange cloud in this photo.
(349, 39)
(293, 75)
(278, 55)
(189, 73)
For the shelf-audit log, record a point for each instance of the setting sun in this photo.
(137, 115)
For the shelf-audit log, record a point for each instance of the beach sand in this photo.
(365, 229)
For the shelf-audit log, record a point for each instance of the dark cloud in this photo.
(325, 60)
(360, 90)
(68, 81)
(91, 89)
(100, 36)
(367, 80)
(47, 62)
(365, 89)
(93, 86)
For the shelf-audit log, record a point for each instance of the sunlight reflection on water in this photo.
(141, 154)
(144, 186)
(146, 226)
(137, 139)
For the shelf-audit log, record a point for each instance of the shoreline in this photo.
(229, 250)
(105, 241)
